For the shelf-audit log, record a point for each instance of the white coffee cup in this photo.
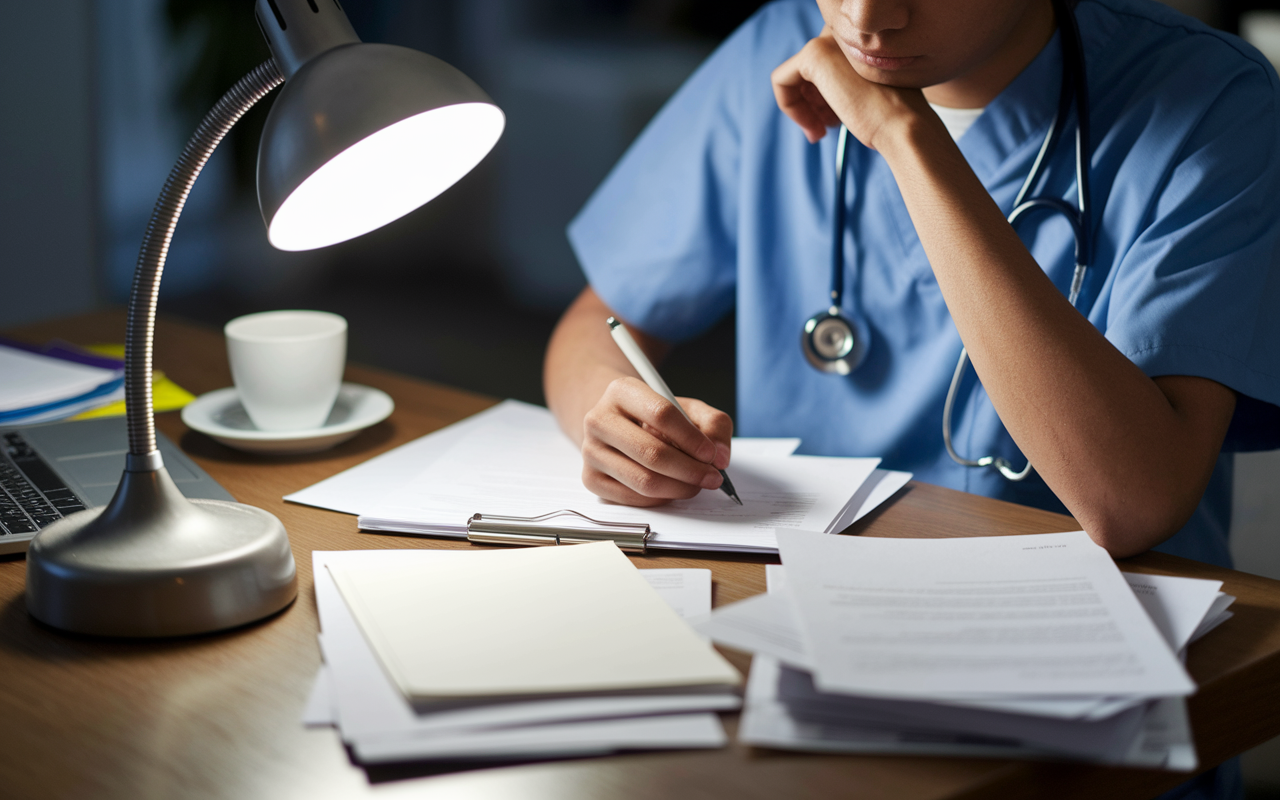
(287, 366)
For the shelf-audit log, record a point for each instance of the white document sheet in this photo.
(1046, 615)
(319, 710)
(369, 709)
(364, 486)
(353, 490)
(593, 737)
(31, 379)
(687, 591)
(876, 490)
(766, 624)
(1217, 615)
(1176, 605)
(530, 468)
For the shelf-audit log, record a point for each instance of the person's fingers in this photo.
(635, 400)
(715, 424)
(799, 99)
(636, 446)
(821, 110)
(818, 88)
(615, 476)
(606, 487)
(653, 453)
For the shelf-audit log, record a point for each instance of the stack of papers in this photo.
(511, 654)
(44, 384)
(1018, 646)
(513, 460)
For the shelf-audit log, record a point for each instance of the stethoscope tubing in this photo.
(1074, 91)
(837, 241)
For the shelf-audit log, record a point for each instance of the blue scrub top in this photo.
(722, 203)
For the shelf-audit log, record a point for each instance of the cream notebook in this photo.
(513, 623)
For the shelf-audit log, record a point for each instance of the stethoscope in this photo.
(838, 343)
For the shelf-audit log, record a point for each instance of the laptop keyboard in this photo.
(31, 495)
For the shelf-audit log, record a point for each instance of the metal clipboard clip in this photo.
(632, 537)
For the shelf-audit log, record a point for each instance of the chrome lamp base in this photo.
(152, 563)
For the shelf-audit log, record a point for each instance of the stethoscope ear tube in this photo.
(1002, 464)
(1074, 88)
(831, 341)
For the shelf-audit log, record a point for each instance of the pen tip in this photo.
(728, 488)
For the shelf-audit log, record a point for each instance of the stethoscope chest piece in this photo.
(832, 343)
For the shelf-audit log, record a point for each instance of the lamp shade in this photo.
(361, 135)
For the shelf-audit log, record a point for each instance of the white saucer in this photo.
(220, 415)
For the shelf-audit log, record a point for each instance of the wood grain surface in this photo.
(216, 716)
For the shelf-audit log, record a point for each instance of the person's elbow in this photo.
(1132, 522)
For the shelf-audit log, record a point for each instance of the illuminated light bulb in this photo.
(386, 175)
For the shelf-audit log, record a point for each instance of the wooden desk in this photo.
(217, 716)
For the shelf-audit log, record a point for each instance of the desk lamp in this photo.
(360, 135)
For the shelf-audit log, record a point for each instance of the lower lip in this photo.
(880, 62)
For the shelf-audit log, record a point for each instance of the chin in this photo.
(897, 80)
(900, 79)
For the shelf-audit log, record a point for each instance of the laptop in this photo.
(54, 470)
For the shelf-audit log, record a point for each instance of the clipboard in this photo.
(384, 499)
(630, 537)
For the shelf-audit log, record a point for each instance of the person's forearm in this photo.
(582, 360)
(1105, 437)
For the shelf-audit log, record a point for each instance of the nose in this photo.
(870, 17)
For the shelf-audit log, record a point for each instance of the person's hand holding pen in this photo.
(637, 448)
(631, 349)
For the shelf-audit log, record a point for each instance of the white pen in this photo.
(650, 375)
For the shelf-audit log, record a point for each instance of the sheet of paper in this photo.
(595, 737)
(775, 578)
(356, 490)
(765, 624)
(686, 591)
(545, 620)
(875, 491)
(1165, 740)
(1176, 605)
(31, 379)
(531, 468)
(1217, 615)
(319, 712)
(1045, 614)
(367, 705)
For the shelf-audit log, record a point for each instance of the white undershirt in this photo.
(957, 120)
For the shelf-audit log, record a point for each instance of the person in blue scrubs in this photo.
(1123, 407)
(1127, 405)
